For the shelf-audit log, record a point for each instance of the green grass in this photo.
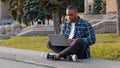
(37, 43)
(107, 45)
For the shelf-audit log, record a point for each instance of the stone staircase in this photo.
(100, 23)
(41, 30)
(8, 21)
(98, 16)
(106, 26)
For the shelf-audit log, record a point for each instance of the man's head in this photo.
(71, 13)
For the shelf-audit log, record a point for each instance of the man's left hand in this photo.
(69, 41)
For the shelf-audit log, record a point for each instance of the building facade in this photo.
(4, 7)
(111, 6)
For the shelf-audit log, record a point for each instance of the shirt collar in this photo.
(79, 20)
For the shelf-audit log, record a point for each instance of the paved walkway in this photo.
(34, 57)
(5, 63)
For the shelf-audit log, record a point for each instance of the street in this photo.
(5, 63)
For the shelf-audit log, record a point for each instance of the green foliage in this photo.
(103, 5)
(78, 3)
(30, 11)
(4, 1)
(51, 5)
(15, 9)
(57, 9)
(20, 10)
(99, 6)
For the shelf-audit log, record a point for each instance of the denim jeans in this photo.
(78, 47)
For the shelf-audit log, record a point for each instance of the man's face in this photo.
(71, 15)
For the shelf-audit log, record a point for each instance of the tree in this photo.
(97, 6)
(58, 9)
(53, 7)
(78, 3)
(4, 1)
(15, 9)
(30, 11)
(103, 5)
(118, 18)
(20, 10)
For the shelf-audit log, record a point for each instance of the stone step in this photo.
(99, 27)
(37, 31)
(4, 36)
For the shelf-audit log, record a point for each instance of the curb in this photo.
(33, 57)
(21, 55)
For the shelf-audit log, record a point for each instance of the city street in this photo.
(5, 63)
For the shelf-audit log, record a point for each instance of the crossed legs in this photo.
(76, 47)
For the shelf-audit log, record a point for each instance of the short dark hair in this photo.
(72, 7)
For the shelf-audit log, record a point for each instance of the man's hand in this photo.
(69, 41)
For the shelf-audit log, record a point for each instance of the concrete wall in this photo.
(105, 27)
(4, 10)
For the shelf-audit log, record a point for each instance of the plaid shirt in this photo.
(83, 30)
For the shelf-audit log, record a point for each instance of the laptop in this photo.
(57, 40)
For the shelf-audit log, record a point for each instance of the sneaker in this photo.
(44, 55)
(48, 56)
(73, 57)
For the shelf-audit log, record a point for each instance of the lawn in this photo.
(107, 45)
(37, 43)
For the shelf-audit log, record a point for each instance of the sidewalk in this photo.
(34, 58)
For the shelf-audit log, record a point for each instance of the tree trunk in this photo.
(19, 11)
(118, 18)
(56, 22)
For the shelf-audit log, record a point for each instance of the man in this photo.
(78, 33)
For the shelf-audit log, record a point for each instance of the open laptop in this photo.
(57, 40)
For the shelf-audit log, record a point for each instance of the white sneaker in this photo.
(48, 56)
(74, 57)
(44, 55)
